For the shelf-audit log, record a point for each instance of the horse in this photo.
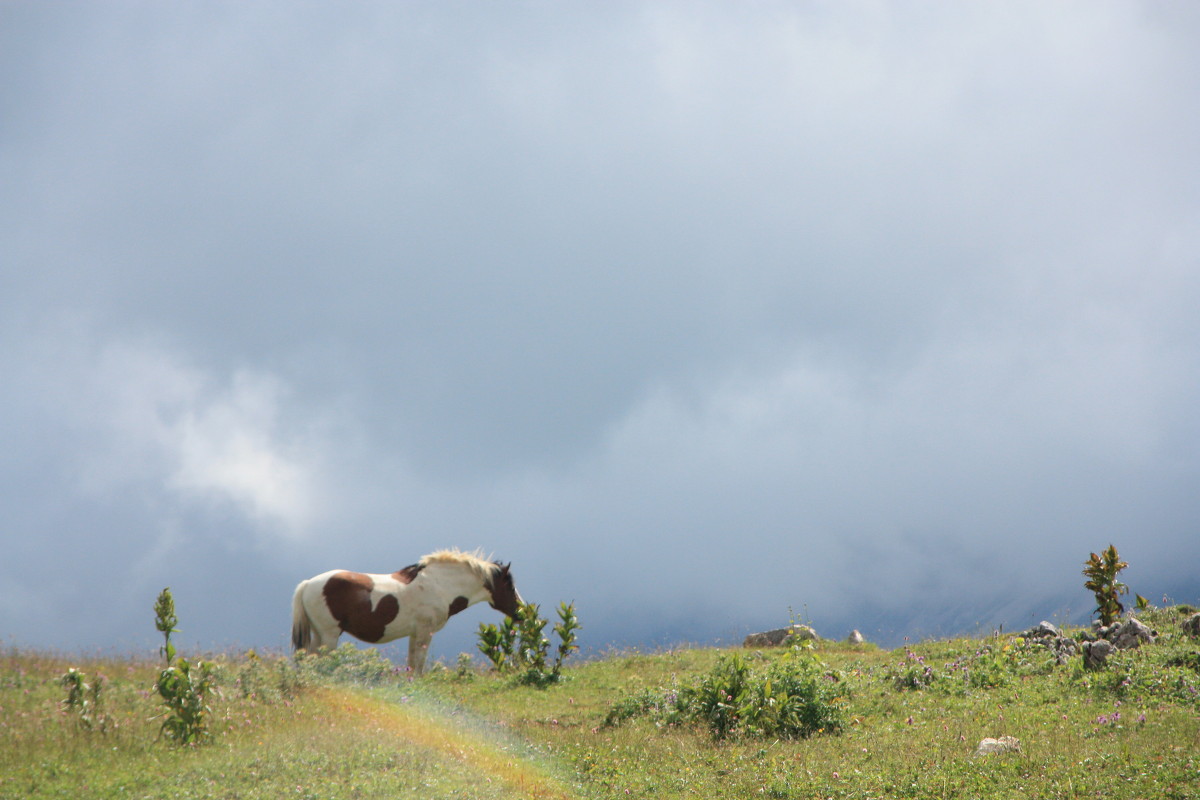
(416, 602)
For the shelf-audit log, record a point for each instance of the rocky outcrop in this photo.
(1104, 640)
(781, 636)
(1191, 625)
(1050, 636)
(1130, 633)
(855, 637)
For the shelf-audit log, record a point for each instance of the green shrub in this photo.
(520, 644)
(267, 679)
(1168, 672)
(912, 673)
(346, 664)
(565, 629)
(662, 705)
(793, 697)
(993, 664)
(497, 642)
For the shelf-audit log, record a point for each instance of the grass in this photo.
(913, 719)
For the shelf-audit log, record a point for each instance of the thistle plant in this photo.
(1101, 573)
(183, 686)
(165, 620)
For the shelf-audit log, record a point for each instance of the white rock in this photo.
(1005, 744)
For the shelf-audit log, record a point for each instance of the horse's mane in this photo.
(479, 564)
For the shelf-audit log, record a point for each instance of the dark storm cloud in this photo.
(694, 314)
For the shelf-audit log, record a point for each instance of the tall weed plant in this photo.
(83, 701)
(1101, 571)
(183, 686)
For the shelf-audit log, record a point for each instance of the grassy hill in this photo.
(903, 723)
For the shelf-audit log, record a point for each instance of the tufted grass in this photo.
(363, 729)
(320, 743)
(1131, 731)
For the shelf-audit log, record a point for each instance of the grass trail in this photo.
(424, 727)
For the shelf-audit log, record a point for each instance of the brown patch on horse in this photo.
(407, 574)
(458, 604)
(348, 595)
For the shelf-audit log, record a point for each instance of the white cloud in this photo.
(230, 447)
(201, 438)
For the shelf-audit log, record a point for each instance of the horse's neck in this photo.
(458, 579)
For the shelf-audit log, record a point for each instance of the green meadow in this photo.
(677, 723)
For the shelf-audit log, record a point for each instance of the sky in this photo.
(706, 316)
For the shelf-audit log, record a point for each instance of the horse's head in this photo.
(504, 592)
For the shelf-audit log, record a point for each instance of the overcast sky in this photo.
(881, 314)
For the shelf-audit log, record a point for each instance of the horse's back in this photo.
(367, 606)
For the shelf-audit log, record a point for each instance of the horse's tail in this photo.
(301, 624)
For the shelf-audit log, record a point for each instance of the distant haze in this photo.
(705, 316)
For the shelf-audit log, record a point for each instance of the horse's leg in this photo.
(324, 637)
(418, 648)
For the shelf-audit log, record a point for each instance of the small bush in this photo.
(346, 664)
(663, 705)
(992, 665)
(520, 644)
(497, 642)
(1164, 673)
(912, 673)
(794, 697)
(267, 679)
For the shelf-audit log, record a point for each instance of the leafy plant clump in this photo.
(83, 700)
(184, 687)
(346, 664)
(268, 680)
(1101, 573)
(793, 698)
(519, 645)
(993, 665)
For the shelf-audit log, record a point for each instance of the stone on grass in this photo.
(1095, 654)
(1130, 633)
(1050, 636)
(779, 636)
(1043, 630)
(857, 638)
(1191, 625)
(1005, 744)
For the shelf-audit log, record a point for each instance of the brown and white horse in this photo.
(415, 602)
